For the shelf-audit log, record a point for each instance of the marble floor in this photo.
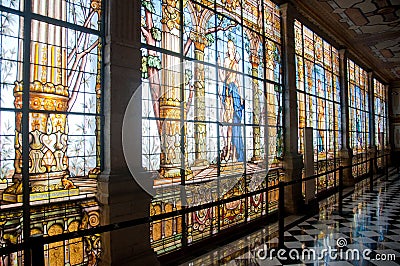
(367, 233)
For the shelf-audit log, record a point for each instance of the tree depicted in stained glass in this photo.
(63, 118)
(64, 75)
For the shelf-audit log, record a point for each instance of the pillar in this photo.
(173, 158)
(255, 62)
(346, 153)
(170, 96)
(121, 198)
(293, 162)
(200, 127)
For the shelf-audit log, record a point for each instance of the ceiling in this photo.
(370, 29)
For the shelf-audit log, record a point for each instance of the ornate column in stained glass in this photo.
(346, 153)
(96, 5)
(255, 62)
(293, 161)
(170, 99)
(200, 129)
(48, 128)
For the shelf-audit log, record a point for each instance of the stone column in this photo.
(173, 163)
(372, 148)
(346, 153)
(293, 162)
(121, 198)
(200, 127)
(170, 96)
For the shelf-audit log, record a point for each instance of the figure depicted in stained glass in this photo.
(233, 106)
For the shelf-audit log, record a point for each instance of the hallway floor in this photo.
(367, 233)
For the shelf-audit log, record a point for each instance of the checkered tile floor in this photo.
(370, 223)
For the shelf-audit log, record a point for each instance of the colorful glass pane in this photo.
(359, 115)
(63, 114)
(211, 110)
(272, 21)
(317, 86)
(381, 128)
(298, 40)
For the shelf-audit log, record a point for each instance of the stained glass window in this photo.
(381, 128)
(212, 115)
(318, 91)
(358, 115)
(59, 43)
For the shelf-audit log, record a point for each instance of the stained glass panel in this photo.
(317, 85)
(272, 21)
(82, 13)
(10, 44)
(381, 128)
(14, 4)
(166, 235)
(298, 40)
(359, 115)
(63, 118)
(211, 110)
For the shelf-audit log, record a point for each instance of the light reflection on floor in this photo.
(371, 221)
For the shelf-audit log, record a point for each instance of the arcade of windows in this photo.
(217, 118)
(212, 116)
